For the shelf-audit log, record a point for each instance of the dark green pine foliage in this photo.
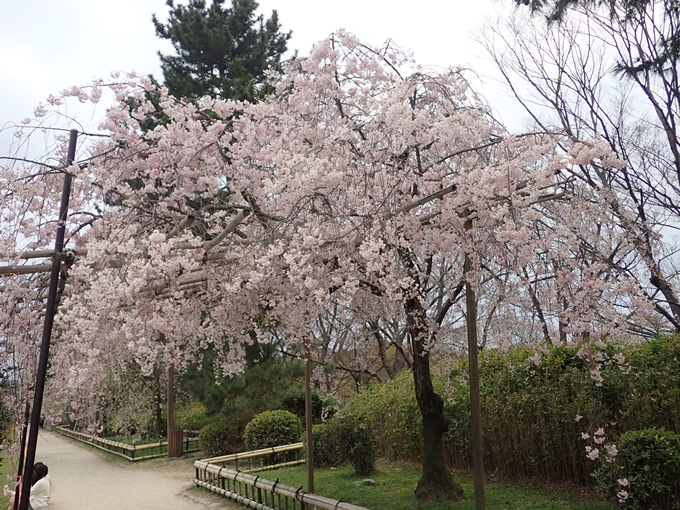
(222, 52)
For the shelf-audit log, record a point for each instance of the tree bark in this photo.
(436, 481)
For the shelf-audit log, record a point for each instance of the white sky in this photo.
(48, 45)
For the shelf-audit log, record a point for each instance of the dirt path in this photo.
(83, 479)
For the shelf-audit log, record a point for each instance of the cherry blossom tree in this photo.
(362, 183)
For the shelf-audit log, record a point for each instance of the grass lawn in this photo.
(395, 484)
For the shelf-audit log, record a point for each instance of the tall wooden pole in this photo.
(308, 419)
(47, 327)
(473, 358)
(172, 447)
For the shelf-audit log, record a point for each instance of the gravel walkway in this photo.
(83, 479)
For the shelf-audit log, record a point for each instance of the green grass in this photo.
(7, 467)
(395, 484)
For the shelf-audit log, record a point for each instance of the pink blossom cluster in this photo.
(599, 445)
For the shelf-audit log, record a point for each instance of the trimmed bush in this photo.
(646, 473)
(394, 413)
(219, 438)
(191, 417)
(322, 408)
(357, 439)
(294, 401)
(326, 449)
(273, 428)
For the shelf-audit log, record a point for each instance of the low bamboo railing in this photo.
(259, 460)
(223, 476)
(133, 453)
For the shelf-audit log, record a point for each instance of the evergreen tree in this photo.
(268, 382)
(222, 51)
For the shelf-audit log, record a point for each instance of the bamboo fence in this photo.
(133, 453)
(256, 492)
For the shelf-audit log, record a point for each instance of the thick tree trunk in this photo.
(436, 481)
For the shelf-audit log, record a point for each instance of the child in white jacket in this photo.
(40, 490)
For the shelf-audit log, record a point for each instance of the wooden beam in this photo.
(40, 254)
(28, 269)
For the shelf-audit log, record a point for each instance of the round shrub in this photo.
(646, 473)
(219, 438)
(294, 401)
(357, 438)
(326, 450)
(191, 417)
(273, 428)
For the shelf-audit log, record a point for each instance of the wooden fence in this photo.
(224, 476)
(130, 452)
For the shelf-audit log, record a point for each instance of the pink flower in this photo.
(585, 435)
(592, 453)
(578, 418)
(596, 376)
(612, 452)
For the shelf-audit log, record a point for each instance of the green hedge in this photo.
(530, 400)
(191, 416)
(219, 438)
(327, 452)
(357, 440)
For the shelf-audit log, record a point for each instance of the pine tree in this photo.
(221, 52)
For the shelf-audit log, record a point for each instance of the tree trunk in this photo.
(436, 481)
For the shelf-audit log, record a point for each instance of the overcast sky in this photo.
(48, 45)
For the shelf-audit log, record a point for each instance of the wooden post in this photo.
(174, 435)
(171, 411)
(308, 419)
(47, 327)
(475, 407)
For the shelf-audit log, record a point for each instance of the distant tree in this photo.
(265, 383)
(221, 52)
(563, 78)
(664, 14)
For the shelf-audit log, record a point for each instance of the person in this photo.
(40, 490)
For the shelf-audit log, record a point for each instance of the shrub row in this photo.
(530, 402)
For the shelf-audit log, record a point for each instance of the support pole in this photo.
(172, 435)
(308, 419)
(475, 407)
(47, 327)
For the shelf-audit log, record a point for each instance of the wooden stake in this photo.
(308, 418)
(475, 407)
